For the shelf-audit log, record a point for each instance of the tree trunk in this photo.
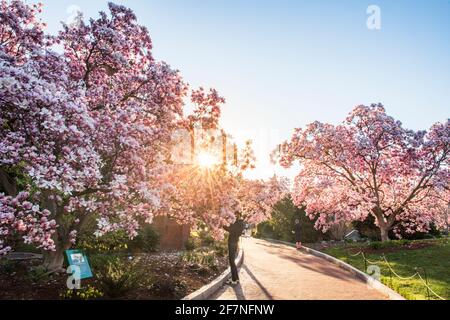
(383, 224)
(54, 260)
(384, 233)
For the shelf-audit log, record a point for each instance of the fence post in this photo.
(426, 281)
(390, 277)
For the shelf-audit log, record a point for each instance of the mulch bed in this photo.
(169, 278)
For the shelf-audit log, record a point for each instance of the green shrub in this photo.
(266, 230)
(200, 237)
(8, 267)
(203, 258)
(147, 240)
(402, 242)
(281, 224)
(119, 276)
(205, 237)
(86, 293)
(190, 244)
(38, 273)
(116, 241)
(376, 245)
(100, 260)
(220, 248)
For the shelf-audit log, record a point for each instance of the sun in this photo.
(206, 160)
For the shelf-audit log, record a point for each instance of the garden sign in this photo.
(79, 258)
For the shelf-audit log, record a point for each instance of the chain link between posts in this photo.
(416, 274)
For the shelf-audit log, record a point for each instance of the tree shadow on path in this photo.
(308, 261)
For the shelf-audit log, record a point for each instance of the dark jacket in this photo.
(235, 230)
(298, 232)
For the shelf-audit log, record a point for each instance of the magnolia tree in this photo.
(370, 164)
(256, 198)
(45, 148)
(196, 191)
(86, 134)
(83, 133)
(136, 103)
(217, 196)
(216, 193)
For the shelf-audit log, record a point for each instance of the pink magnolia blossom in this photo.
(88, 129)
(17, 217)
(370, 164)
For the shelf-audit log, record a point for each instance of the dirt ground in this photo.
(169, 277)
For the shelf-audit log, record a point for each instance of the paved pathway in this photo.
(276, 271)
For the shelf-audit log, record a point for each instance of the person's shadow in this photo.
(260, 285)
(239, 292)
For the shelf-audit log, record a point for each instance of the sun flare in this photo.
(206, 160)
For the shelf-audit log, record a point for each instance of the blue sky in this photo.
(283, 64)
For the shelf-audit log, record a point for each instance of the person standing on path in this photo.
(234, 232)
(297, 233)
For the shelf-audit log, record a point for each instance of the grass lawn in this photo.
(405, 257)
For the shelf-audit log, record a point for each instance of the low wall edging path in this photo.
(209, 289)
